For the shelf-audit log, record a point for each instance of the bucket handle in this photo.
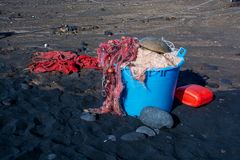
(181, 52)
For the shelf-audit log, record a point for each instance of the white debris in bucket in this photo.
(147, 59)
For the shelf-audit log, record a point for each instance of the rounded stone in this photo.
(108, 33)
(8, 102)
(45, 45)
(88, 117)
(156, 118)
(212, 85)
(112, 138)
(24, 86)
(154, 44)
(51, 156)
(156, 130)
(133, 136)
(146, 130)
(206, 66)
(226, 81)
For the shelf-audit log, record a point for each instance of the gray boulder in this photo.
(156, 118)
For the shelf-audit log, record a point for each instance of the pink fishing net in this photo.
(111, 56)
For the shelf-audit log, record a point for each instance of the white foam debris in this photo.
(147, 59)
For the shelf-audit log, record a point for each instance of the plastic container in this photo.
(157, 91)
(194, 95)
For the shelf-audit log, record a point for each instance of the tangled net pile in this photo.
(111, 56)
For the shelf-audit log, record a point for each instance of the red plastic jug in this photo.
(194, 95)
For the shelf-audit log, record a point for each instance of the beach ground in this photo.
(40, 113)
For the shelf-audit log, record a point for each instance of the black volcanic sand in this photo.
(40, 113)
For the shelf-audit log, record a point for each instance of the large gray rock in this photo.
(133, 136)
(146, 130)
(156, 118)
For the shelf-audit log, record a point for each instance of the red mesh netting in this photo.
(65, 62)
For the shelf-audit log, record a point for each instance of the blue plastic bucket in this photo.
(157, 91)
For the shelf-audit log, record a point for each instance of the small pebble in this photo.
(24, 86)
(226, 81)
(223, 151)
(170, 18)
(7, 102)
(209, 67)
(103, 9)
(51, 156)
(204, 136)
(108, 33)
(212, 85)
(133, 136)
(157, 131)
(156, 118)
(88, 117)
(84, 43)
(221, 100)
(111, 138)
(146, 130)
